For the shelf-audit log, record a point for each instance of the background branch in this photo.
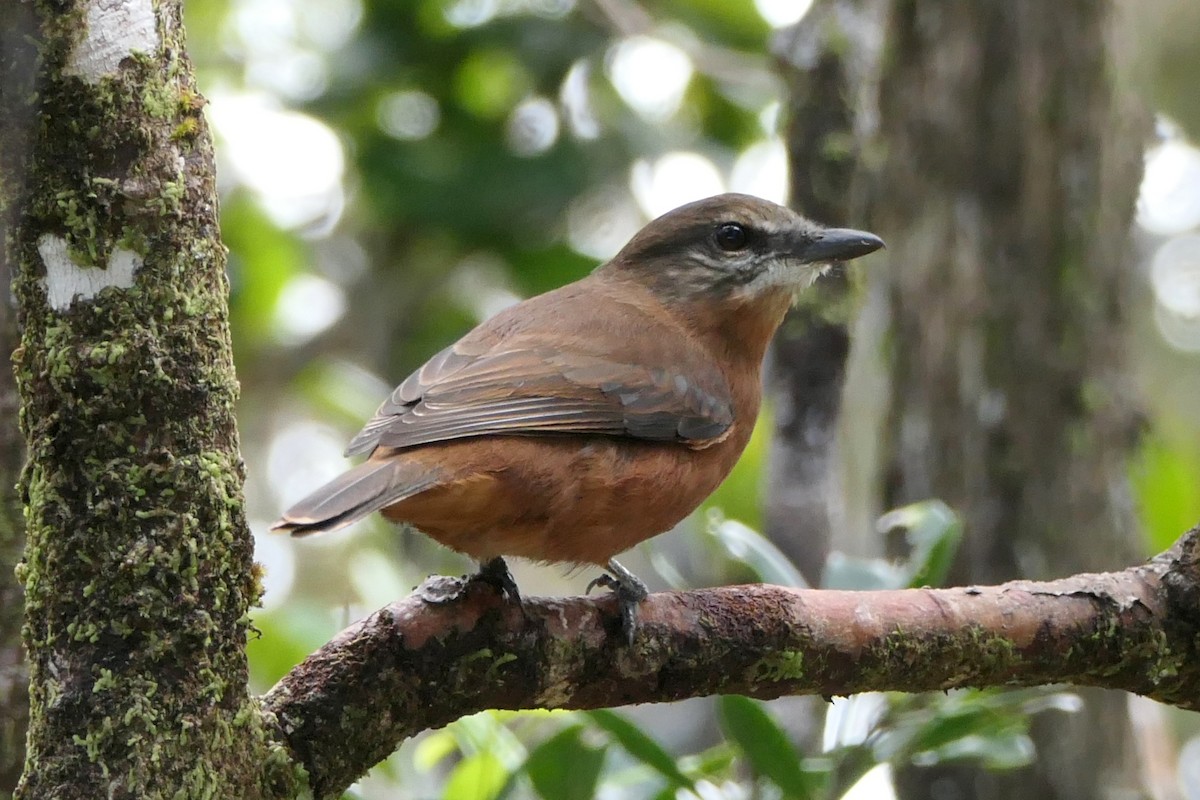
(422, 662)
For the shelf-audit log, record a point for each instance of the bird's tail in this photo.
(355, 494)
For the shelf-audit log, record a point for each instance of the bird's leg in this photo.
(494, 572)
(630, 591)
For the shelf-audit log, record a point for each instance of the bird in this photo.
(580, 422)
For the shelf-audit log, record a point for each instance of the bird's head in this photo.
(735, 248)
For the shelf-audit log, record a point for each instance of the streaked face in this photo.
(736, 246)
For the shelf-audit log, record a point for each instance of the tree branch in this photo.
(423, 662)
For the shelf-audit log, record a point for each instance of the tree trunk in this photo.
(14, 681)
(823, 61)
(138, 570)
(1005, 196)
(18, 67)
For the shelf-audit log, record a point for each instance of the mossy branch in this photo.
(423, 662)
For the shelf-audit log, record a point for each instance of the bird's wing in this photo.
(537, 391)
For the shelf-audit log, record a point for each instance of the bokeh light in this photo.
(762, 170)
(650, 74)
(1175, 278)
(532, 127)
(674, 179)
(410, 114)
(307, 305)
(782, 13)
(292, 162)
(602, 221)
(1169, 201)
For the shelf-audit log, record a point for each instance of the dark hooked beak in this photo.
(838, 244)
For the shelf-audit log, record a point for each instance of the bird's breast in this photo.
(571, 498)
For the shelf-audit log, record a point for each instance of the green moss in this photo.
(781, 666)
(138, 568)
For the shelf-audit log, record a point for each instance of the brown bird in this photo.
(580, 422)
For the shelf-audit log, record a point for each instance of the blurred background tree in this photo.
(396, 170)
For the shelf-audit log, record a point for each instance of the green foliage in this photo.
(933, 532)
(640, 746)
(431, 225)
(480, 776)
(564, 767)
(766, 746)
(1166, 480)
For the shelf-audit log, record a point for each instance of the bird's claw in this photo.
(604, 581)
(630, 592)
(494, 572)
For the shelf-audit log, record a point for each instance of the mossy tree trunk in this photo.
(138, 571)
(17, 68)
(14, 704)
(1005, 193)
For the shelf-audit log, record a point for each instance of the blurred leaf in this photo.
(434, 748)
(477, 777)
(988, 726)
(715, 763)
(934, 533)
(740, 495)
(548, 268)
(749, 547)
(945, 729)
(733, 22)
(262, 260)
(1166, 480)
(564, 768)
(861, 574)
(486, 732)
(721, 117)
(766, 745)
(1003, 751)
(640, 746)
(289, 634)
(490, 82)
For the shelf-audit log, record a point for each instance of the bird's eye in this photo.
(731, 237)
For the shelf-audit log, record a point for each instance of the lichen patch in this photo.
(116, 29)
(65, 280)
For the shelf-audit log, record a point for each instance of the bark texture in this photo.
(138, 571)
(423, 662)
(1005, 195)
(18, 67)
(14, 679)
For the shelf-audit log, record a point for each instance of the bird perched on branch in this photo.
(580, 422)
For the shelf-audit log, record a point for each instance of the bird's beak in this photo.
(838, 244)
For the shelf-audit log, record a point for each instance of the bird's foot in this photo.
(630, 592)
(494, 572)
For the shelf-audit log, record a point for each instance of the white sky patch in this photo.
(65, 280)
(651, 75)
(115, 30)
(674, 179)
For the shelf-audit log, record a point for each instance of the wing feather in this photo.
(533, 391)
